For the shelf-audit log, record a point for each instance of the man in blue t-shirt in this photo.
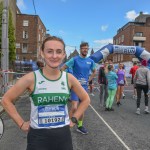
(81, 66)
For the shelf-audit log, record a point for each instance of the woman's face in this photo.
(120, 65)
(53, 53)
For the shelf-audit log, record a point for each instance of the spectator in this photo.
(142, 83)
(132, 72)
(121, 81)
(103, 70)
(112, 87)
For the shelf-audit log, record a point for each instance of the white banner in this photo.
(119, 49)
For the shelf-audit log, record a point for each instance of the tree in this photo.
(12, 40)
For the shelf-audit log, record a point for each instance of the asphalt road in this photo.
(118, 130)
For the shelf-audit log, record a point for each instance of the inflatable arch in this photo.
(139, 52)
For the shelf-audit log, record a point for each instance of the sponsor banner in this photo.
(105, 52)
(119, 49)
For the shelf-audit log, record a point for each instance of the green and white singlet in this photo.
(49, 102)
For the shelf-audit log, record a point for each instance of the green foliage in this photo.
(12, 41)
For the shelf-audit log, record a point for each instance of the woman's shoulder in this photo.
(29, 77)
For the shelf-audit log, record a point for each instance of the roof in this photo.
(142, 17)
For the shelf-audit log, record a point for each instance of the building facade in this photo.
(30, 33)
(135, 33)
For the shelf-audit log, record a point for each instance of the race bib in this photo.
(82, 81)
(121, 82)
(51, 116)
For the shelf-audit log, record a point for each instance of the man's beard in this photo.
(83, 54)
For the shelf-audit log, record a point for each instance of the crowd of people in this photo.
(51, 86)
(112, 82)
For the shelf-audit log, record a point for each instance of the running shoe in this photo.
(82, 130)
(92, 94)
(134, 97)
(107, 109)
(118, 103)
(146, 111)
(123, 96)
(138, 111)
(111, 109)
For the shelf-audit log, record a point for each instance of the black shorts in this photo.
(90, 82)
(46, 139)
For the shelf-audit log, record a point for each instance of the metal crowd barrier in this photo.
(7, 80)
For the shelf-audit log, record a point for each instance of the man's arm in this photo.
(83, 96)
(64, 67)
(93, 69)
(130, 71)
(68, 64)
(92, 75)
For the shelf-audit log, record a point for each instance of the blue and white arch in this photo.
(138, 51)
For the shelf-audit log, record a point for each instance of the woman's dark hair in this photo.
(110, 67)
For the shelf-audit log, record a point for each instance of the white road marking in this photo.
(128, 90)
(123, 143)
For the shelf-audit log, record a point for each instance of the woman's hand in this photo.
(25, 126)
(72, 124)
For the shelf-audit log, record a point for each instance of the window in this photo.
(139, 34)
(17, 57)
(122, 38)
(25, 35)
(24, 48)
(121, 57)
(39, 27)
(17, 45)
(119, 40)
(115, 58)
(39, 37)
(116, 41)
(138, 44)
(25, 23)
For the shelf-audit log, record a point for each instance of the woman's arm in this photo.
(125, 79)
(23, 84)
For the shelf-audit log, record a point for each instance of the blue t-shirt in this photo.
(81, 68)
(69, 70)
(112, 80)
